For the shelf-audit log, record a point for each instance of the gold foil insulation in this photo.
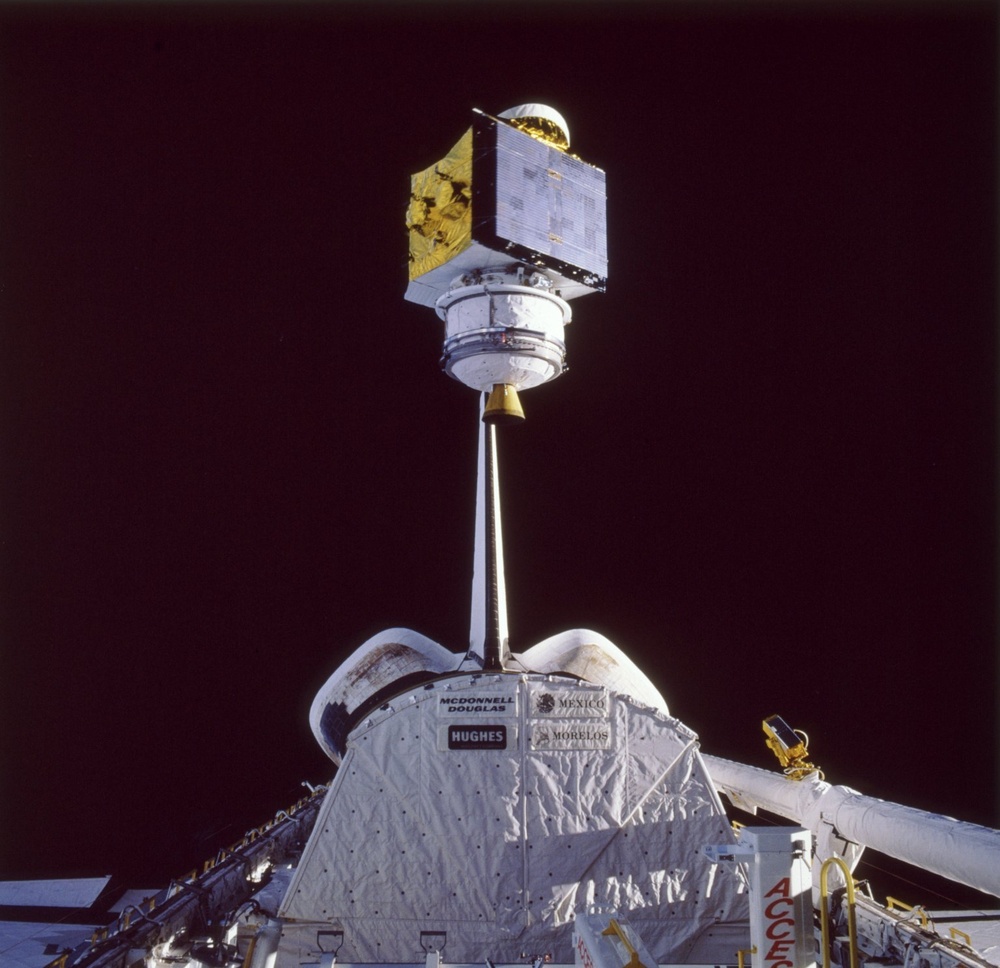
(439, 219)
(543, 130)
(536, 206)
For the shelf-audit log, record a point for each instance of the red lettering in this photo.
(779, 948)
(771, 910)
(783, 887)
(770, 932)
(782, 904)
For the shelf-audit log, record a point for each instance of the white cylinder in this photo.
(962, 852)
(503, 332)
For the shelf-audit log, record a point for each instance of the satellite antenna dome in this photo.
(540, 121)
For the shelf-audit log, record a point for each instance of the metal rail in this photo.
(225, 882)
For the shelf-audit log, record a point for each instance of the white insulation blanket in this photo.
(493, 808)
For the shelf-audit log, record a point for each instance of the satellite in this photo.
(504, 231)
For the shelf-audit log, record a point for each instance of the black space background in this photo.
(229, 455)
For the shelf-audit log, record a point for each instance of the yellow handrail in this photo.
(893, 902)
(956, 934)
(248, 960)
(742, 952)
(852, 931)
(616, 929)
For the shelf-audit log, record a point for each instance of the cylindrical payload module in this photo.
(504, 328)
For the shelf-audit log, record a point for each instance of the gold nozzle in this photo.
(502, 406)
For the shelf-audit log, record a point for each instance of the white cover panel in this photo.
(69, 892)
(500, 847)
(32, 945)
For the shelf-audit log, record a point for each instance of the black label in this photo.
(477, 737)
